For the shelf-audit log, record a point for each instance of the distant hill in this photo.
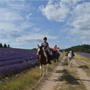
(80, 48)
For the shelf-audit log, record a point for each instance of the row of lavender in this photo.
(84, 54)
(15, 60)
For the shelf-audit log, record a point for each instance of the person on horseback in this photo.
(58, 49)
(46, 48)
(55, 48)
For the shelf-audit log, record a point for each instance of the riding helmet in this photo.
(45, 38)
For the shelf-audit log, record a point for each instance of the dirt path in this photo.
(82, 75)
(51, 82)
(54, 78)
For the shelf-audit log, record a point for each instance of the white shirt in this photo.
(58, 50)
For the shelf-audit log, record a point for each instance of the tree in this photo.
(8, 46)
(51, 49)
(80, 48)
(34, 48)
(5, 46)
(1, 45)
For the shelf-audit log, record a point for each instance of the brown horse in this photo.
(43, 58)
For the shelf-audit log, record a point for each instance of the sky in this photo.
(24, 23)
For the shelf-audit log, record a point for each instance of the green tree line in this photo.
(80, 48)
(4, 46)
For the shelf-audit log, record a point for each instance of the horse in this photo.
(55, 55)
(70, 57)
(43, 58)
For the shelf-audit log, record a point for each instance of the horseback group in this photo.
(45, 56)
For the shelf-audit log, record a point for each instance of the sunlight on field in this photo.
(70, 79)
(84, 63)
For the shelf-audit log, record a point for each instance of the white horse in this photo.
(70, 58)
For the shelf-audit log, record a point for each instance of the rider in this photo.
(55, 48)
(46, 48)
(58, 49)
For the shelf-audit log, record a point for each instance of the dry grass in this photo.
(84, 63)
(25, 80)
(71, 80)
(22, 81)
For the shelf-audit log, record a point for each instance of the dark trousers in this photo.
(48, 54)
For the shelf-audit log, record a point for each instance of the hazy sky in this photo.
(24, 23)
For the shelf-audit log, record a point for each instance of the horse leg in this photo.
(47, 68)
(41, 70)
(71, 62)
(55, 60)
(44, 70)
(68, 63)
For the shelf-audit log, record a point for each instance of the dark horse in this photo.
(55, 55)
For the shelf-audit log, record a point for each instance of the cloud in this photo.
(55, 11)
(50, 1)
(85, 39)
(67, 37)
(58, 41)
(15, 34)
(8, 15)
(81, 14)
(34, 37)
(25, 24)
(75, 13)
(13, 21)
(58, 10)
(8, 27)
(11, 29)
(16, 27)
(16, 22)
(28, 16)
(80, 22)
(16, 5)
(4, 41)
(36, 29)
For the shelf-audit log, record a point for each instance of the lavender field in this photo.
(84, 54)
(13, 61)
